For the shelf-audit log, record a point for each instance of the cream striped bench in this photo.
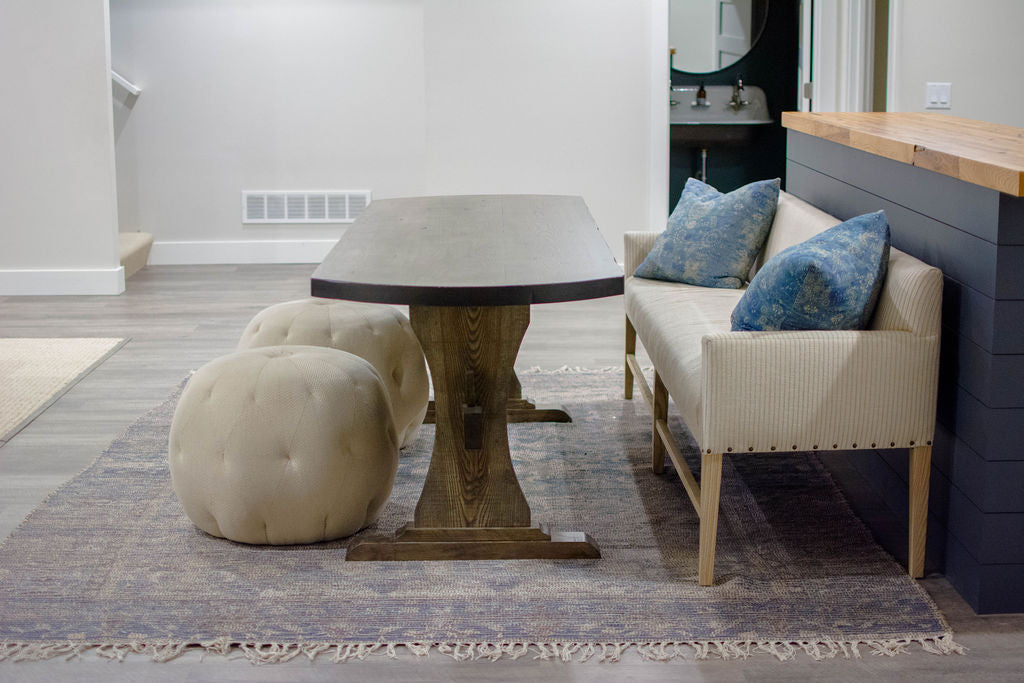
(764, 392)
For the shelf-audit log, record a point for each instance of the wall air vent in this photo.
(304, 206)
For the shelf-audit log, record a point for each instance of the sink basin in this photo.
(710, 134)
(717, 123)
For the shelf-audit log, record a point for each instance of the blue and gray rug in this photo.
(110, 562)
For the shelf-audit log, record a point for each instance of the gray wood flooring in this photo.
(180, 317)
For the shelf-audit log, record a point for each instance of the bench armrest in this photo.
(637, 245)
(817, 390)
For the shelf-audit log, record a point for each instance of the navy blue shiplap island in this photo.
(953, 190)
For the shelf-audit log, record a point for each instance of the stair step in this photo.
(135, 248)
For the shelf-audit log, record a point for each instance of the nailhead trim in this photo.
(892, 444)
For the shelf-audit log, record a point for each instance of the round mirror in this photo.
(708, 35)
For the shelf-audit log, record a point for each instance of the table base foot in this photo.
(524, 410)
(520, 410)
(494, 543)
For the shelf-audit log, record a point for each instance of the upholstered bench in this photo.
(782, 391)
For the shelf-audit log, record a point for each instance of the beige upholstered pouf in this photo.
(376, 332)
(283, 444)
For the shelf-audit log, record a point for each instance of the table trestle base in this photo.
(412, 543)
(520, 410)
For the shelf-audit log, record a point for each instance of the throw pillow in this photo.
(712, 238)
(829, 282)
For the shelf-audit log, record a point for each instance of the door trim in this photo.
(840, 53)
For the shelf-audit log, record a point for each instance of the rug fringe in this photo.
(279, 653)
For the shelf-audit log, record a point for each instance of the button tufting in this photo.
(224, 463)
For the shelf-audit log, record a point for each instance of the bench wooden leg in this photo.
(920, 469)
(630, 351)
(660, 412)
(710, 488)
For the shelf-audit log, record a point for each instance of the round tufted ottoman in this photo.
(283, 444)
(378, 333)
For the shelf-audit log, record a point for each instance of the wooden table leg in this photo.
(519, 409)
(472, 506)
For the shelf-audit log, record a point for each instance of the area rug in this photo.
(36, 372)
(110, 562)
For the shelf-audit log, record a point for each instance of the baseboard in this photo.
(62, 282)
(239, 251)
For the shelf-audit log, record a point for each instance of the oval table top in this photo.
(471, 250)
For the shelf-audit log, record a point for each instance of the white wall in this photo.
(58, 213)
(264, 95)
(405, 97)
(976, 46)
(543, 97)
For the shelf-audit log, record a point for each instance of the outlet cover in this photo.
(938, 95)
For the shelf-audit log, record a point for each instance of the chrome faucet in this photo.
(737, 100)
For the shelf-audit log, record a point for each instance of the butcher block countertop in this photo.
(985, 154)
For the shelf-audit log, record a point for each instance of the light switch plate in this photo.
(938, 95)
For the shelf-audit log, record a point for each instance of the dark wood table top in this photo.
(471, 250)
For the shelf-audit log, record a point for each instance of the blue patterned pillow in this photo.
(829, 282)
(712, 238)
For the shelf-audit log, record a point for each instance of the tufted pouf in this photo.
(376, 332)
(283, 444)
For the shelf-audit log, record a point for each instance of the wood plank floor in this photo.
(180, 317)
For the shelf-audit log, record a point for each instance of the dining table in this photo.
(469, 267)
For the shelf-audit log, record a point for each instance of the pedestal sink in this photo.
(716, 122)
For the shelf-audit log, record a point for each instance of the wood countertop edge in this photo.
(984, 173)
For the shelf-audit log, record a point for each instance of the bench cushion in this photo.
(671, 319)
(743, 391)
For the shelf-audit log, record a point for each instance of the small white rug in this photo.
(36, 372)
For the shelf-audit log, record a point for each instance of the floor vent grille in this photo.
(307, 206)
